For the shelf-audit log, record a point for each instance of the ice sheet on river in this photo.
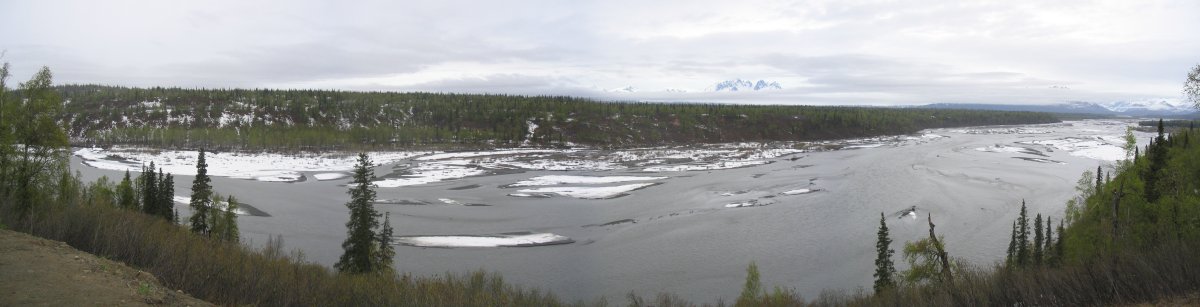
(256, 166)
(524, 239)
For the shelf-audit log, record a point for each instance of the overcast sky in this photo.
(821, 52)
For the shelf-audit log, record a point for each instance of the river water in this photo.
(679, 236)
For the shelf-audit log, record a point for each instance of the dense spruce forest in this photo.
(318, 120)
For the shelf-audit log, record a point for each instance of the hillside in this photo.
(310, 119)
(40, 272)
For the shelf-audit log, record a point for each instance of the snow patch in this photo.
(500, 240)
(330, 176)
(587, 192)
(565, 179)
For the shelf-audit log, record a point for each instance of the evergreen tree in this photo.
(1012, 246)
(1038, 239)
(1099, 178)
(201, 201)
(885, 269)
(149, 183)
(126, 197)
(1157, 152)
(1023, 237)
(1048, 243)
(229, 226)
(385, 253)
(166, 196)
(360, 246)
(1059, 245)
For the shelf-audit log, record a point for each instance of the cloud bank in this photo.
(822, 52)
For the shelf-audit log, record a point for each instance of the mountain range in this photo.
(745, 85)
(1129, 108)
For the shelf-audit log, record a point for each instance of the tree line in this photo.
(321, 119)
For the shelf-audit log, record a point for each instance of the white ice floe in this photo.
(330, 176)
(431, 172)
(1107, 153)
(1012, 130)
(1001, 148)
(1093, 148)
(552, 164)
(258, 166)
(587, 192)
(220, 205)
(704, 166)
(797, 192)
(498, 152)
(748, 203)
(566, 179)
(501, 240)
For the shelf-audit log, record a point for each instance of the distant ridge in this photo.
(1136, 108)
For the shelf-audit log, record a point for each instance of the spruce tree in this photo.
(1038, 239)
(1058, 245)
(1048, 250)
(1157, 152)
(359, 248)
(229, 221)
(201, 201)
(149, 184)
(885, 269)
(385, 252)
(166, 196)
(1099, 178)
(126, 197)
(1012, 246)
(1023, 237)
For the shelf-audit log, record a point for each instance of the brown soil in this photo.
(40, 272)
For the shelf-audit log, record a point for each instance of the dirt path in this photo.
(40, 272)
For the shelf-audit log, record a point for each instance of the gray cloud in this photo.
(823, 52)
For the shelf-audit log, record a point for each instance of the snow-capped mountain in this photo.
(627, 89)
(745, 85)
(1149, 106)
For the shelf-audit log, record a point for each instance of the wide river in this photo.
(682, 238)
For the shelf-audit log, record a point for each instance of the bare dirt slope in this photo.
(40, 272)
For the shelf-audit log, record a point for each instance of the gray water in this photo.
(683, 240)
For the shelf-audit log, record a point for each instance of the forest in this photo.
(265, 119)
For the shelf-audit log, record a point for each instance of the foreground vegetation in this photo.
(317, 120)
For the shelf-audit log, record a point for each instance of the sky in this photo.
(821, 52)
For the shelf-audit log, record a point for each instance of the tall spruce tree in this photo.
(166, 196)
(1048, 249)
(385, 252)
(201, 202)
(228, 217)
(1157, 152)
(1099, 178)
(360, 246)
(885, 269)
(1012, 246)
(1059, 245)
(1038, 238)
(149, 184)
(1023, 237)
(126, 197)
